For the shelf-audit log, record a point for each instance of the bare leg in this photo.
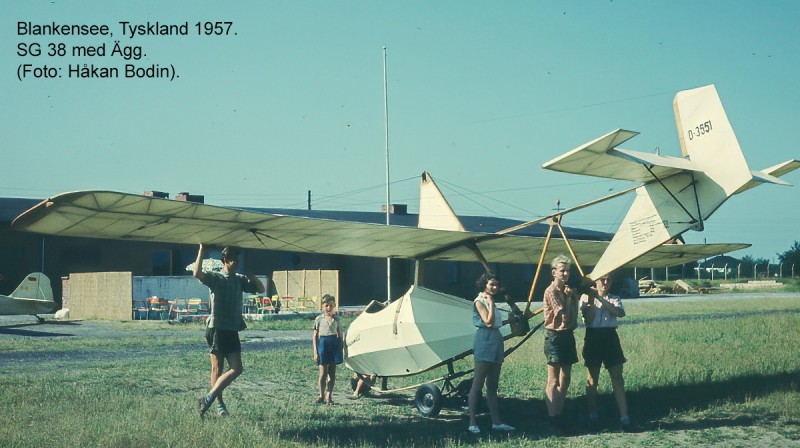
(359, 385)
(323, 376)
(331, 381)
(551, 389)
(217, 366)
(224, 380)
(565, 376)
(618, 383)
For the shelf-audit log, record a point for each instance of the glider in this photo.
(426, 329)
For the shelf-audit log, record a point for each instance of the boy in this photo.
(224, 323)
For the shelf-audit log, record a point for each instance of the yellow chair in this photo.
(180, 307)
(196, 306)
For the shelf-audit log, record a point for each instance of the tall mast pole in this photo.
(388, 203)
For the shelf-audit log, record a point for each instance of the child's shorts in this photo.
(559, 347)
(329, 349)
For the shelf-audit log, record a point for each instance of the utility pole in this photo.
(386, 144)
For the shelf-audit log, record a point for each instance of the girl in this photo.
(327, 343)
(488, 353)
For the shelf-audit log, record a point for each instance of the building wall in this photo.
(173, 287)
(100, 295)
(306, 283)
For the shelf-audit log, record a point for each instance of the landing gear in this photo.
(428, 400)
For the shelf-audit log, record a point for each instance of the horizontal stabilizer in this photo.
(771, 175)
(782, 168)
(602, 158)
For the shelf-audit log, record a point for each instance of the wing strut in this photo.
(479, 255)
(697, 201)
(677, 201)
(564, 212)
(553, 221)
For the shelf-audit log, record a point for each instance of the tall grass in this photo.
(709, 372)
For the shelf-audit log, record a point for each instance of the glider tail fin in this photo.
(707, 138)
(35, 286)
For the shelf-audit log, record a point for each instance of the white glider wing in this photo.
(121, 216)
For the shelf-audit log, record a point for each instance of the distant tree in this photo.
(791, 257)
(752, 266)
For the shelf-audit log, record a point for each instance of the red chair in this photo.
(265, 305)
(155, 305)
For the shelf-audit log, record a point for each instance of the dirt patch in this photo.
(19, 327)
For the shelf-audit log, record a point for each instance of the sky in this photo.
(290, 98)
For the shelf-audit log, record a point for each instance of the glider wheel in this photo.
(428, 400)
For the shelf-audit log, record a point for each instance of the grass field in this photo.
(700, 372)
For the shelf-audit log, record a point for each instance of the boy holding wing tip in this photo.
(601, 346)
(560, 303)
(224, 322)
